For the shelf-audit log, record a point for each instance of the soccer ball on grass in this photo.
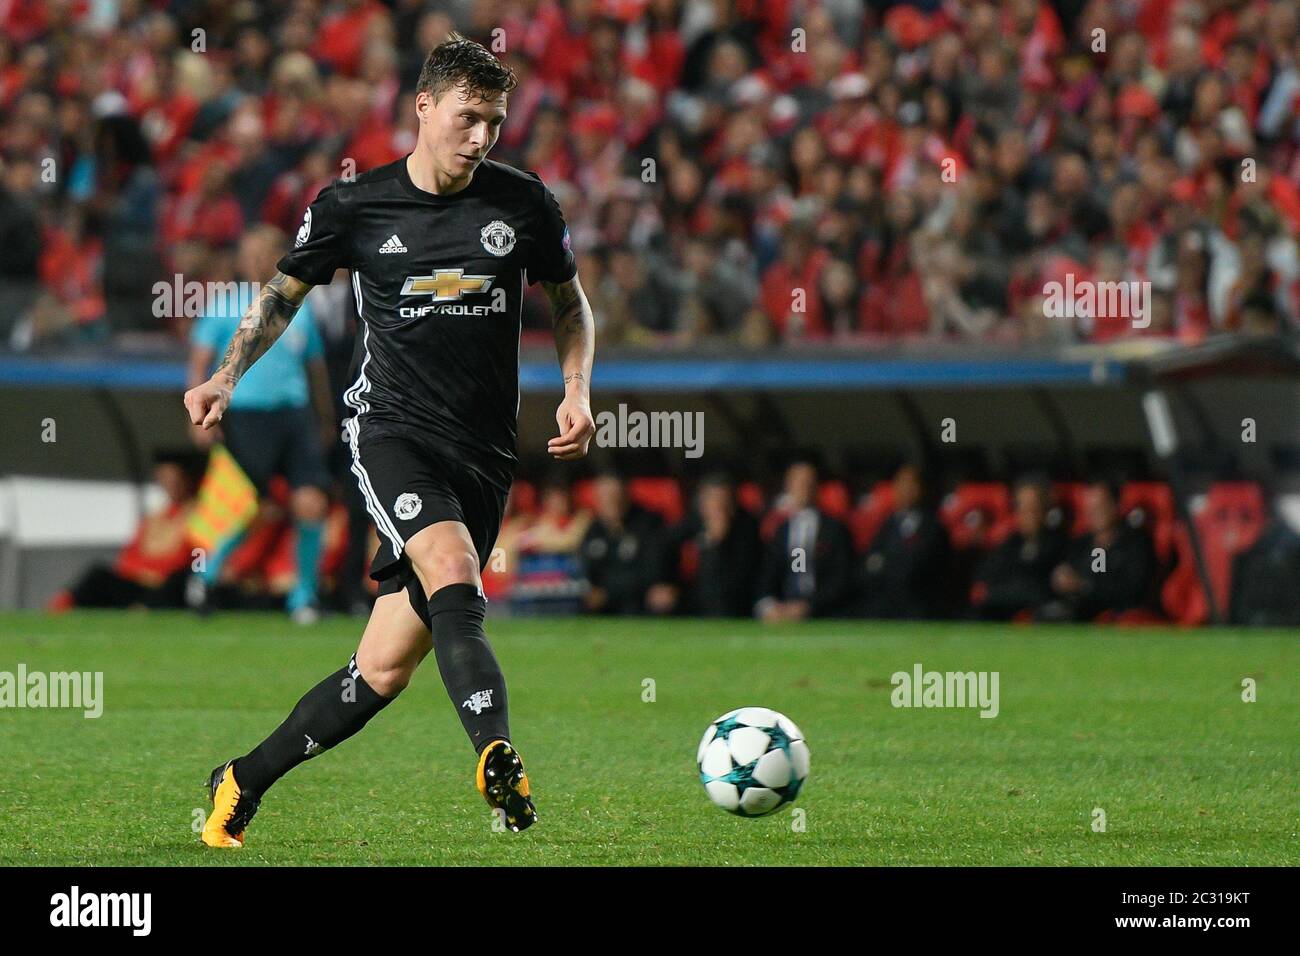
(752, 760)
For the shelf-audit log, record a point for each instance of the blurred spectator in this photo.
(727, 552)
(790, 287)
(1016, 575)
(905, 568)
(150, 571)
(719, 293)
(1111, 568)
(70, 309)
(640, 298)
(806, 571)
(623, 553)
(20, 241)
(558, 527)
(1266, 580)
(541, 570)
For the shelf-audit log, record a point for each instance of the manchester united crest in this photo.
(497, 238)
(407, 506)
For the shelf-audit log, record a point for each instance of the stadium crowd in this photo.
(760, 171)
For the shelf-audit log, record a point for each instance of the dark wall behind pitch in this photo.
(113, 435)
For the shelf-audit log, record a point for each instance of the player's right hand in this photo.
(206, 403)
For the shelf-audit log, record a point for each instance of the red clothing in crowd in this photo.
(893, 304)
(373, 145)
(71, 269)
(659, 61)
(217, 221)
(159, 548)
(895, 308)
(25, 20)
(341, 40)
(786, 289)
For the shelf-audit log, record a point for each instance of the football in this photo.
(752, 760)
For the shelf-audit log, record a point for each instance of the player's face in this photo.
(460, 128)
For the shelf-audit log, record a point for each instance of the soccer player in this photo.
(438, 244)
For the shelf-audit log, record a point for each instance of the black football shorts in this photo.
(407, 487)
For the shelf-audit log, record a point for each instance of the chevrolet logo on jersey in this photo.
(445, 285)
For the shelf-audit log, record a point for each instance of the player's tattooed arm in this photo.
(575, 344)
(267, 317)
(575, 332)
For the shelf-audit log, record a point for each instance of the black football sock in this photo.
(469, 669)
(327, 715)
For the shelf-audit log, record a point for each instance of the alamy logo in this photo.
(103, 909)
(81, 690)
(191, 299)
(497, 238)
(1085, 299)
(392, 244)
(638, 429)
(313, 748)
(479, 701)
(946, 689)
(304, 231)
(407, 506)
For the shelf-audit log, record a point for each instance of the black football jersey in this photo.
(439, 283)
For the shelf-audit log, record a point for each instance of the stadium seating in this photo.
(1150, 505)
(661, 495)
(870, 513)
(1228, 522)
(976, 514)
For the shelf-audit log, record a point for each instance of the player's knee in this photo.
(388, 681)
(310, 504)
(439, 567)
(385, 672)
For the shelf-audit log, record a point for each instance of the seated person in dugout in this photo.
(727, 553)
(558, 527)
(622, 552)
(1110, 568)
(905, 568)
(1016, 575)
(808, 560)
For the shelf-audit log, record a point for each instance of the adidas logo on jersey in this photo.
(392, 244)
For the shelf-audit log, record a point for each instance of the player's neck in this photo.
(426, 175)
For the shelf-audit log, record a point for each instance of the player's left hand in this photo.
(576, 428)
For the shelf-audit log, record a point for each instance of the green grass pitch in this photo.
(1147, 725)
